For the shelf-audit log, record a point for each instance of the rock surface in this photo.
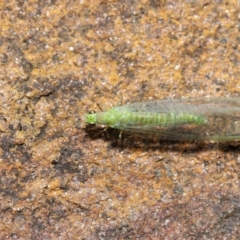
(60, 180)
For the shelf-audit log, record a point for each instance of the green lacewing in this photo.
(198, 119)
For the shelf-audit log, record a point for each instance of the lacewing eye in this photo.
(91, 112)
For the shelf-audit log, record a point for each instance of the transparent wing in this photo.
(222, 119)
(202, 106)
(216, 132)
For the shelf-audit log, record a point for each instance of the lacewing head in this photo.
(91, 118)
(109, 118)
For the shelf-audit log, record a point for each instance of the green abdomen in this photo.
(160, 119)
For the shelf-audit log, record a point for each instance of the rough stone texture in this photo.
(58, 60)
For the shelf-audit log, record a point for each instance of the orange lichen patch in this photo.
(47, 151)
(3, 126)
(34, 188)
(54, 184)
